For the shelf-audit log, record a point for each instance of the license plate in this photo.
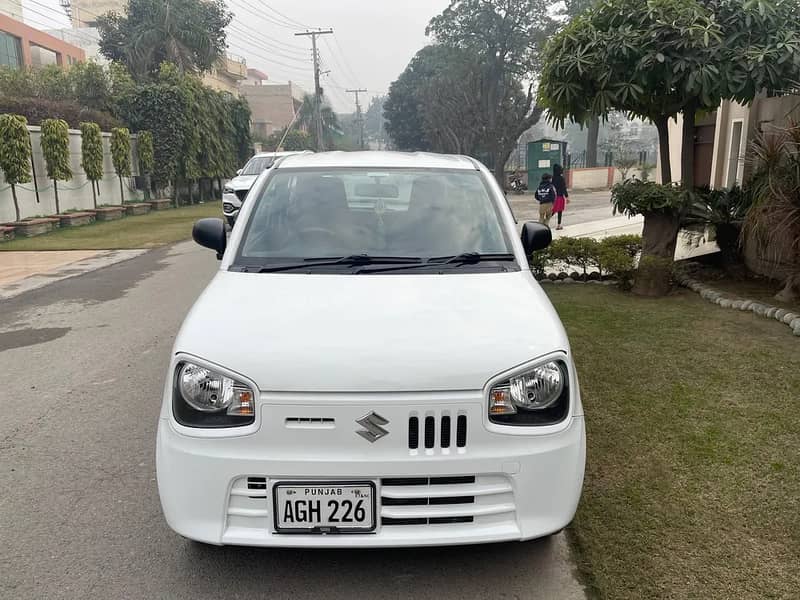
(324, 508)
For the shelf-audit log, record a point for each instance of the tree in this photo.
(504, 36)
(90, 85)
(144, 148)
(402, 110)
(15, 153)
(295, 141)
(330, 122)
(187, 33)
(674, 56)
(374, 122)
(121, 155)
(92, 155)
(55, 148)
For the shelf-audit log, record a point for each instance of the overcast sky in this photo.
(372, 43)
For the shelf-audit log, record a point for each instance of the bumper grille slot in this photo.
(430, 432)
(413, 433)
(446, 500)
(228, 207)
(242, 194)
(461, 431)
(427, 436)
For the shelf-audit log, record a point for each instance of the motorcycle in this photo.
(517, 186)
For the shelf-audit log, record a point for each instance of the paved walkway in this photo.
(24, 271)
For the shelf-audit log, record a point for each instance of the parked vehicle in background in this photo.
(235, 190)
(374, 385)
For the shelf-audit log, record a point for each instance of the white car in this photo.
(235, 191)
(393, 374)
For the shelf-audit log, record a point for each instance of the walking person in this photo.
(562, 194)
(546, 195)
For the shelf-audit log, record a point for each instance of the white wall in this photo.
(74, 194)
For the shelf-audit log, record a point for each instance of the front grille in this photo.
(427, 434)
(228, 207)
(446, 500)
(242, 194)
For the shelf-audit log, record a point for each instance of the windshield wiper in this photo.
(355, 260)
(471, 258)
(467, 258)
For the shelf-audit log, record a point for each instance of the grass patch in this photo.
(693, 469)
(146, 231)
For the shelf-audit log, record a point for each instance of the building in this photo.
(227, 74)
(84, 13)
(273, 106)
(86, 38)
(11, 8)
(24, 46)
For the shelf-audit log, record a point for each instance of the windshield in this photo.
(257, 165)
(420, 214)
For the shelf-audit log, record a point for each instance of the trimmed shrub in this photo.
(577, 252)
(55, 148)
(92, 155)
(144, 149)
(121, 155)
(36, 110)
(15, 153)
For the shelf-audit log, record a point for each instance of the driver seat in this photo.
(320, 202)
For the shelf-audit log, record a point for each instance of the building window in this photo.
(734, 158)
(10, 50)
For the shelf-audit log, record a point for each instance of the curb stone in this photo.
(757, 308)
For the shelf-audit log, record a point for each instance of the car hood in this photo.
(242, 182)
(371, 333)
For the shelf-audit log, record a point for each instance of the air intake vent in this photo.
(427, 436)
(258, 484)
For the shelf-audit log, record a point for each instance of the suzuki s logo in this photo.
(372, 431)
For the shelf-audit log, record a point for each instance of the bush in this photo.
(614, 256)
(55, 148)
(576, 252)
(36, 110)
(15, 153)
(92, 155)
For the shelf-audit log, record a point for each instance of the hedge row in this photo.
(36, 110)
(615, 256)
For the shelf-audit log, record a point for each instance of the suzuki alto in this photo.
(373, 365)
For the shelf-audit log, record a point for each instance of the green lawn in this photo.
(147, 231)
(693, 470)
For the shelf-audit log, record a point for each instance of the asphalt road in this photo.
(83, 363)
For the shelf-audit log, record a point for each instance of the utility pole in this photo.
(359, 116)
(318, 134)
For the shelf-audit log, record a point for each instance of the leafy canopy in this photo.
(15, 149)
(121, 151)
(55, 147)
(658, 57)
(92, 151)
(187, 33)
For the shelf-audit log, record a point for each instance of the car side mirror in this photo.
(210, 233)
(239, 172)
(535, 236)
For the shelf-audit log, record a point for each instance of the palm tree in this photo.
(330, 122)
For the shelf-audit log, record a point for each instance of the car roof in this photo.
(379, 160)
(274, 154)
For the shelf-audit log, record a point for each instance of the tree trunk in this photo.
(687, 146)
(662, 124)
(660, 236)
(121, 191)
(592, 135)
(147, 187)
(16, 203)
(55, 191)
(94, 195)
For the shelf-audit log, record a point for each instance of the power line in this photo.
(260, 13)
(344, 59)
(359, 115)
(270, 51)
(289, 19)
(270, 44)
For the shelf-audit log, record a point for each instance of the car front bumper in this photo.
(231, 205)
(218, 490)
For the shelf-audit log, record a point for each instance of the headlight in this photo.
(205, 398)
(539, 396)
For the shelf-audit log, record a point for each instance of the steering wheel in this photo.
(319, 231)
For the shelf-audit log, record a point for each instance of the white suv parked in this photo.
(235, 190)
(393, 374)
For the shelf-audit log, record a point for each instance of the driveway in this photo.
(84, 361)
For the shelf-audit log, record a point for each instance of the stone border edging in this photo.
(568, 280)
(782, 315)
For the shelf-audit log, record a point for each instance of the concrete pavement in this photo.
(83, 363)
